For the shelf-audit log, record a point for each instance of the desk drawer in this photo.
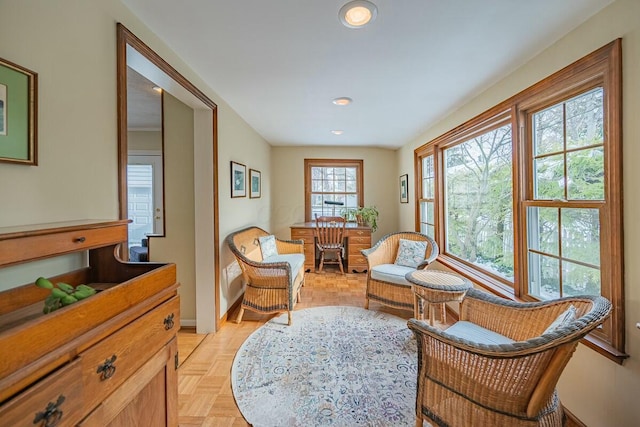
(358, 259)
(303, 233)
(106, 365)
(360, 240)
(358, 233)
(61, 391)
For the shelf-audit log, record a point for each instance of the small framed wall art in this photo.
(18, 114)
(255, 184)
(238, 180)
(404, 188)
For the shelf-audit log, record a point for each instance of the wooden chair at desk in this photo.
(330, 239)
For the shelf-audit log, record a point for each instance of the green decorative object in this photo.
(62, 294)
(367, 215)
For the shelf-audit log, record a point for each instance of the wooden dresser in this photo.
(107, 360)
(358, 237)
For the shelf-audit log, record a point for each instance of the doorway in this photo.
(199, 302)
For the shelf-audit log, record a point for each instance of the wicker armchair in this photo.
(385, 279)
(469, 380)
(272, 283)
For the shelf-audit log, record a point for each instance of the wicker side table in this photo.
(436, 287)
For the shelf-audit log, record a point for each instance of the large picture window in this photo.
(478, 201)
(527, 197)
(332, 187)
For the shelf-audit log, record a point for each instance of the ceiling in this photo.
(279, 63)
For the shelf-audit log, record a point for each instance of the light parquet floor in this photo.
(204, 376)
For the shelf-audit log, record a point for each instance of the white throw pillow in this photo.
(410, 253)
(566, 317)
(268, 246)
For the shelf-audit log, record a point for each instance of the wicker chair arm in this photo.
(290, 246)
(522, 321)
(268, 274)
(518, 348)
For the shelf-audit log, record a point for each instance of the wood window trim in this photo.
(601, 67)
(309, 163)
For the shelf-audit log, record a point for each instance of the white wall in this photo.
(71, 44)
(595, 389)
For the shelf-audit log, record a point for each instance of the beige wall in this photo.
(381, 184)
(71, 44)
(178, 243)
(248, 148)
(144, 140)
(598, 391)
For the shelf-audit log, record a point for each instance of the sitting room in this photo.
(319, 213)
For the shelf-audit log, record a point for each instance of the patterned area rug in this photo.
(337, 366)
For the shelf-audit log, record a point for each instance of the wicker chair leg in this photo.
(419, 422)
(366, 303)
(289, 314)
(240, 314)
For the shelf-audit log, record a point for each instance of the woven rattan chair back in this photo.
(330, 239)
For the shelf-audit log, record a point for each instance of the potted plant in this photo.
(367, 215)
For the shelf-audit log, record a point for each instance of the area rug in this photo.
(335, 366)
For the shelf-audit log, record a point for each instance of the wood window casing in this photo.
(339, 163)
(602, 68)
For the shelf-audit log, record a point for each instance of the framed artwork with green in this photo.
(18, 114)
(255, 182)
(238, 178)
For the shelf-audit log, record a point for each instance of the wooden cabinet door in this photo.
(147, 398)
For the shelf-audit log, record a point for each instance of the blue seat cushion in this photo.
(392, 273)
(474, 333)
(295, 261)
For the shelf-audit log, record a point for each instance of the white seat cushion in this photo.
(295, 261)
(391, 273)
(474, 333)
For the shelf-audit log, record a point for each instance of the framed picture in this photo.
(255, 184)
(238, 178)
(18, 114)
(404, 188)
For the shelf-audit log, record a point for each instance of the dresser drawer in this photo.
(106, 365)
(58, 395)
(14, 250)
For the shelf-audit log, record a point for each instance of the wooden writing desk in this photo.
(358, 237)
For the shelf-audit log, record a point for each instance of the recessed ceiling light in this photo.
(342, 101)
(337, 132)
(157, 89)
(358, 13)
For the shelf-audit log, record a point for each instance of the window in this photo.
(427, 201)
(332, 187)
(478, 201)
(526, 198)
(563, 213)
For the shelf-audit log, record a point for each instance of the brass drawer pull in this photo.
(168, 322)
(107, 369)
(51, 415)
(80, 239)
